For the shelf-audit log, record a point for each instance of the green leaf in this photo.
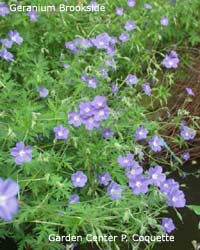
(195, 208)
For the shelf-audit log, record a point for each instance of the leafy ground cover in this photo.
(96, 114)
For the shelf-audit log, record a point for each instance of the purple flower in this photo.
(185, 156)
(4, 10)
(110, 50)
(114, 88)
(139, 184)
(15, 37)
(124, 37)
(131, 3)
(119, 11)
(107, 133)
(156, 143)
(133, 171)
(156, 176)
(33, 16)
(101, 41)
(168, 225)
(164, 21)
(74, 198)
(130, 25)
(93, 4)
(141, 133)
(82, 43)
(43, 92)
(79, 179)
(168, 185)
(71, 46)
(171, 60)
(101, 114)
(92, 82)
(126, 161)
(84, 77)
(99, 102)
(114, 190)
(74, 119)
(90, 123)
(7, 43)
(61, 133)
(104, 178)
(8, 201)
(131, 79)
(176, 198)
(147, 89)
(66, 66)
(187, 133)
(113, 40)
(78, 44)
(21, 153)
(189, 91)
(86, 109)
(147, 6)
(6, 55)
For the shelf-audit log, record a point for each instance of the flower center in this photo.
(166, 225)
(133, 171)
(99, 104)
(76, 118)
(154, 176)
(101, 43)
(138, 184)
(91, 120)
(101, 113)
(113, 191)
(22, 152)
(60, 133)
(2, 200)
(155, 144)
(174, 199)
(87, 110)
(78, 179)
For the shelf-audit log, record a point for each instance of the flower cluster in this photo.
(102, 42)
(139, 182)
(78, 44)
(175, 196)
(14, 37)
(90, 114)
